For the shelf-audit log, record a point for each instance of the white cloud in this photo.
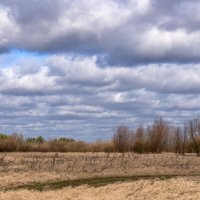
(129, 32)
(65, 89)
(105, 62)
(8, 27)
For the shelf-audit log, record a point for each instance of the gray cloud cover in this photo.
(119, 32)
(83, 67)
(67, 95)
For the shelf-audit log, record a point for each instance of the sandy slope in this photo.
(180, 188)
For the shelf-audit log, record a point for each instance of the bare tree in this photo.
(193, 130)
(158, 135)
(139, 140)
(180, 140)
(121, 138)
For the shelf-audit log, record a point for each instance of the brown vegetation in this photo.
(179, 189)
(32, 169)
(159, 137)
(18, 168)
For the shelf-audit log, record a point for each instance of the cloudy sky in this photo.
(80, 68)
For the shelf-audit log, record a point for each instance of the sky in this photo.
(80, 68)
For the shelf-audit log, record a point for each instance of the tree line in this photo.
(160, 136)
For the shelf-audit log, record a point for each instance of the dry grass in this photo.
(18, 168)
(24, 168)
(143, 189)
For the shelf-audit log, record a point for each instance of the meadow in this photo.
(160, 161)
(99, 176)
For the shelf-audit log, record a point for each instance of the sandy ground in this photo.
(180, 188)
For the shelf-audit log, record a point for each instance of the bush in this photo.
(14, 142)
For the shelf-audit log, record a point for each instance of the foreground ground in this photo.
(179, 188)
(162, 176)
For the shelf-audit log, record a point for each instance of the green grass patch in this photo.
(94, 182)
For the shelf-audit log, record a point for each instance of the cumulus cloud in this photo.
(81, 67)
(76, 95)
(8, 29)
(120, 33)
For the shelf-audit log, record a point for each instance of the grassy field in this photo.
(179, 188)
(99, 176)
